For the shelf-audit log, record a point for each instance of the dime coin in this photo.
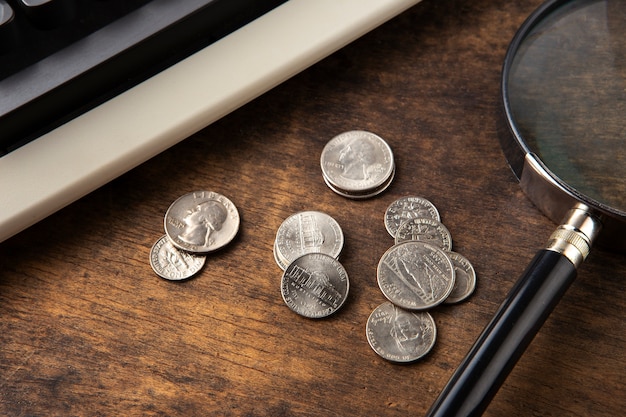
(415, 275)
(307, 232)
(400, 335)
(464, 279)
(201, 222)
(315, 285)
(425, 230)
(406, 208)
(357, 162)
(172, 264)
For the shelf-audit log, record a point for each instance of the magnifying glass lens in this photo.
(567, 97)
(564, 97)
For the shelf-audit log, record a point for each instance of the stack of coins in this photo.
(307, 232)
(196, 224)
(314, 284)
(357, 164)
(417, 219)
(417, 273)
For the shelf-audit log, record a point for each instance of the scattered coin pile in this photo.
(417, 273)
(196, 224)
(314, 284)
(357, 164)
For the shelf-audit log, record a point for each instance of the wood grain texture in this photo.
(87, 329)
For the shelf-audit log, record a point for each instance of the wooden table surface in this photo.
(88, 329)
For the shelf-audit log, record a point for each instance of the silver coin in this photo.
(173, 264)
(201, 222)
(415, 275)
(315, 285)
(307, 232)
(464, 279)
(400, 335)
(406, 208)
(362, 195)
(426, 231)
(282, 264)
(357, 162)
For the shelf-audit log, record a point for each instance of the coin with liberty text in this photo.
(173, 264)
(425, 230)
(201, 222)
(400, 335)
(406, 208)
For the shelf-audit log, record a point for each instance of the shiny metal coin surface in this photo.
(464, 279)
(354, 195)
(415, 275)
(307, 232)
(282, 263)
(405, 208)
(173, 264)
(201, 222)
(400, 335)
(425, 230)
(315, 285)
(357, 162)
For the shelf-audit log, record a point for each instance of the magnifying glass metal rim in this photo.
(540, 287)
(546, 190)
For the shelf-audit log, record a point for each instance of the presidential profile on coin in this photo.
(409, 207)
(400, 335)
(315, 285)
(357, 164)
(425, 230)
(201, 222)
(173, 264)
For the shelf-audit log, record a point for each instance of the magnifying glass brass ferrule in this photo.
(576, 234)
(563, 134)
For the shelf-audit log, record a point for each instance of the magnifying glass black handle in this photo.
(503, 341)
(517, 321)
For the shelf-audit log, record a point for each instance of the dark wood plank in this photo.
(88, 329)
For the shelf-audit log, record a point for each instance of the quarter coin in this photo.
(201, 222)
(426, 231)
(406, 208)
(415, 275)
(357, 162)
(364, 194)
(464, 279)
(400, 335)
(172, 264)
(315, 285)
(307, 232)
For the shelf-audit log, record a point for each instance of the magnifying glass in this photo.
(564, 116)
